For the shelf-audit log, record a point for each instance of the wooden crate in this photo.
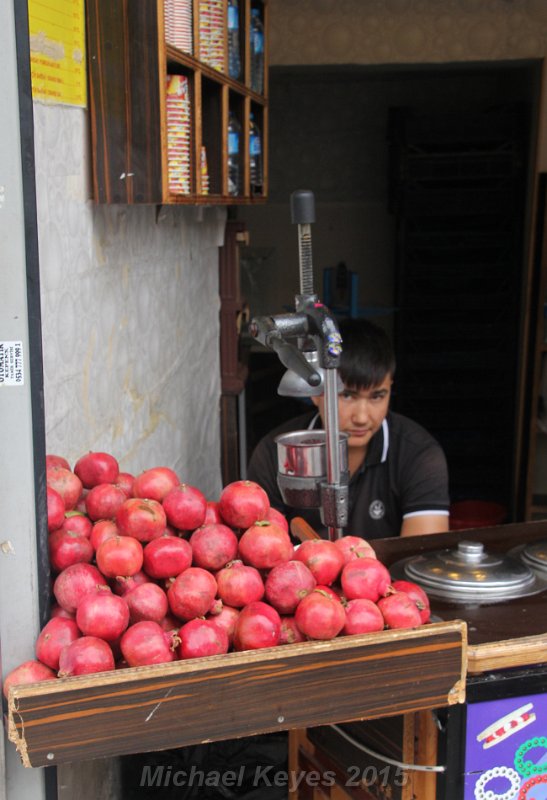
(238, 694)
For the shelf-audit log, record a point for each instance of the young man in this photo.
(398, 472)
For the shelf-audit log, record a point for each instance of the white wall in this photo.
(130, 317)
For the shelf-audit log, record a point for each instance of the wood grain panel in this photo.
(221, 697)
(145, 113)
(124, 90)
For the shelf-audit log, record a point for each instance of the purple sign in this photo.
(506, 749)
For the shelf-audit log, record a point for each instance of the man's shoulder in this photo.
(407, 433)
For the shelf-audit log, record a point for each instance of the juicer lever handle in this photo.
(293, 359)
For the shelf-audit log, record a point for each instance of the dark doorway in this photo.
(421, 177)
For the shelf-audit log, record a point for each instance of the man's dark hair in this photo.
(367, 355)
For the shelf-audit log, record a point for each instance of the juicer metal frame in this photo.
(312, 330)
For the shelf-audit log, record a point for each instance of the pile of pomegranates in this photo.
(146, 570)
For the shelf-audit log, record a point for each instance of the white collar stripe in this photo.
(313, 421)
(427, 513)
(385, 431)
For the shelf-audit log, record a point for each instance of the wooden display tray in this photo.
(501, 635)
(239, 694)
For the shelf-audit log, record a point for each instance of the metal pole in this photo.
(332, 433)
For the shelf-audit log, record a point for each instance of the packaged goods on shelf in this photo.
(178, 133)
(211, 33)
(204, 171)
(178, 24)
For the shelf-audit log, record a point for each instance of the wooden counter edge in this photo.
(506, 654)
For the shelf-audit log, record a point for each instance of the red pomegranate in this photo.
(320, 615)
(362, 616)
(56, 461)
(102, 530)
(258, 625)
(365, 577)
(74, 582)
(56, 634)
(264, 545)
(55, 509)
(76, 522)
(239, 584)
(125, 481)
(290, 632)
(273, 515)
(122, 584)
(201, 637)
(146, 643)
(95, 468)
(66, 483)
(155, 483)
(286, 585)
(399, 611)
(418, 595)
(28, 672)
(213, 546)
(167, 556)
(57, 611)
(353, 547)
(191, 593)
(226, 620)
(185, 507)
(141, 518)
(242, 503)
(80, 505)
(216, 607)
(84, 656)
(103, 501)
(120, 555)
(103, 614)
(170, 623)
(66, 548)
(212, 514)
(147, 601)
(323, 559)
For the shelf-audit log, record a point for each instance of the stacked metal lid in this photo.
(471, 575)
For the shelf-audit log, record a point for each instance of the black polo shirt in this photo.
(404, 474)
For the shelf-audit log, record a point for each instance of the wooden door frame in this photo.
(531, 318)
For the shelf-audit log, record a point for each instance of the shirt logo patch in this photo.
(376, 509)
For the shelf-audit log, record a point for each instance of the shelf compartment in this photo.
(128, 59)
(211, 123)
(239, 694)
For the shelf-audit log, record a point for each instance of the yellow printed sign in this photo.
(57, 51)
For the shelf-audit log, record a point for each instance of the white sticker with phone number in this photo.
(12, 371)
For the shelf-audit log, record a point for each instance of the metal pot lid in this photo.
(469, 573)
(534, 554)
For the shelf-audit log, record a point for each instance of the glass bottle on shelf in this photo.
(234, 160)
(255, 157)
(234, 59)
(257, 52)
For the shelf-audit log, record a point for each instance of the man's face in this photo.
(360, 411)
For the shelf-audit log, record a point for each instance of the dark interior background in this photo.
(421, 178)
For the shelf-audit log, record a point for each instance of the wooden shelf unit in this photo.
(128, 61)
